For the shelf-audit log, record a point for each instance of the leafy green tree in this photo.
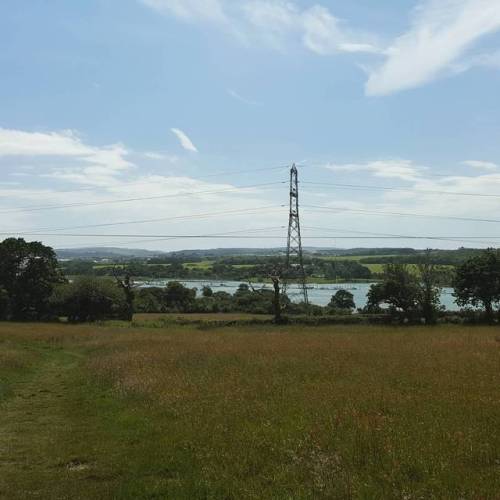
(400, 289)
(347, 269)
(177, 297)
(375, 297)
(177, 270)
(223, 302)
(342, 300)
(477, 282)
(28, 274)
(149, 300)
(207, 292)
(89, 299)
(430, 275)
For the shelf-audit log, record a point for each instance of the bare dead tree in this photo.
(127, 285)
(276, 274)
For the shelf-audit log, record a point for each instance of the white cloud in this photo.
(396, 169)
(185, 141)
(272, 22)
(155, 156)
(21, 143)
(436, 44)
(84, 163)
(441, 32)
(68, 149)
(239, 97)
(190, 10)
(481, 165)
(58, 161)
(325, 34)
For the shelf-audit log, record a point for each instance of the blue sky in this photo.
(102, 101)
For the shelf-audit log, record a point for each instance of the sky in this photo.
(171, 124)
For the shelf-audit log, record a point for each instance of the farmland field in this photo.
(249, 412)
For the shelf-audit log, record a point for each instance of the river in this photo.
(319, 294)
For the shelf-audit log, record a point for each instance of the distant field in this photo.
(250, 412)
(205, 264)
(356, 257)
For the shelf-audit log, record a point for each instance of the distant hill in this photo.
(99, 253)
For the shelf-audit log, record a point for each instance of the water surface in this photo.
(319, 294)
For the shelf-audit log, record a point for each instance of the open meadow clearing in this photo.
(249, 412)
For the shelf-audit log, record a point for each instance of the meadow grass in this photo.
(250, 412)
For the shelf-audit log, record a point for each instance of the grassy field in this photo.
(250, 412)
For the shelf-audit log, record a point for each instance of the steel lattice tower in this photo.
(294, 257)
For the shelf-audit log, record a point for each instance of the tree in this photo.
(400, 289)
(28, 274)
(127, 286)
(276, 276)
(347, 269)
(149, 300)
(89, 299)
(375, 297)
(207, 292)
(430, 290)
(342, 300)
(177, 270)
(4, 304)
(274, 272)
(177, 297)
(477, 282)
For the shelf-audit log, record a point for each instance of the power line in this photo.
(400, 214)
(166, 236)
(220, 236)
(145, 198)
(148, 221)
(156, 182)
(421, 173)
(406, 190)
(373, 235)
(174, 238)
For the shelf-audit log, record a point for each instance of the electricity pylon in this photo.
(294, 257)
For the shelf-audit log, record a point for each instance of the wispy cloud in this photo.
(155, 156)
(190, 10)
(324, 34)
(185, 141)
(396, 169)
(274, 23)
(436, 44)
(441, 32)
(482, 165)
(239, 97)
(159, 156)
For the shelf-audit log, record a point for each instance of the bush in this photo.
(89, 299)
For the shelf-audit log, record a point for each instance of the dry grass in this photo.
(192, 317)
(290, 412)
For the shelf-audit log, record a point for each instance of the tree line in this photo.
(33, 287)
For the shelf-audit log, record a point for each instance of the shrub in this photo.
(89, 299)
